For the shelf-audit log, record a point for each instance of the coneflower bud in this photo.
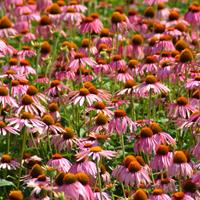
(15, 195)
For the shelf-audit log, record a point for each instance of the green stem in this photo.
(149, 108)
(99, 179)
(122, 144)
(8, 143)
(22, 154)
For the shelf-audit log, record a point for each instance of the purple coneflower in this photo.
(162, 159)
(6, 162)
(96, 153)
(121, 122)
(158, 194)
(151, 85)
(179, 167)
(81, 60)
(181, 108)
(181, 196)
(28, 105)
(6, 99)
(59, 163)
(6, 29)
(26, 119)
(146, 142)
(82, 96)
(64, 141)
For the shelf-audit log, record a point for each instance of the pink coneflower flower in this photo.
(54, 12)
(121, 122)
(181, 196)
(181, 108)
(97, 195)
(36, 95)
(24, 68)
(164, 43)
(192, 121)
(119, 171)
(39, 183)
(193, 83)
(96, 153)
(151, 85)
(84, 179)
(28, 37)
(7, 128)
(151, 2)
(45, 27)
(84, 74)
(5, 98)
(193, 15)
(56, 88)
(87, 47)
(160, 136)
(12, 74)
(26, 52)
(166, 184)
(50, 125)
(26, 119)
(101, 123)
(59, 163)
(80, 60)
(100, 107)
(72, 17)
(184, 63)
(6, 162)
(85, 165)
(75, 5)
(119, 22)
(101, 93)
(117, 63)
(65, 141)
(91, 24)
(72, 188)
(17, 90)
(137, 47)
(42, 79)
(28, 105)
(135, 175)
(179, 167)
(146, 142)
(54, 111)
(82, 96)
(101, 66)
(122, 74)
(129, 89)
(162, 159)
(6, 29)
(190, 188)
(150, 66)
(158, 194)
(5, 49)
(105, 38)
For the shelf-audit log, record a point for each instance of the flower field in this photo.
(99, 100)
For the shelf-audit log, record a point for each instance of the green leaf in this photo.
(4, 183)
